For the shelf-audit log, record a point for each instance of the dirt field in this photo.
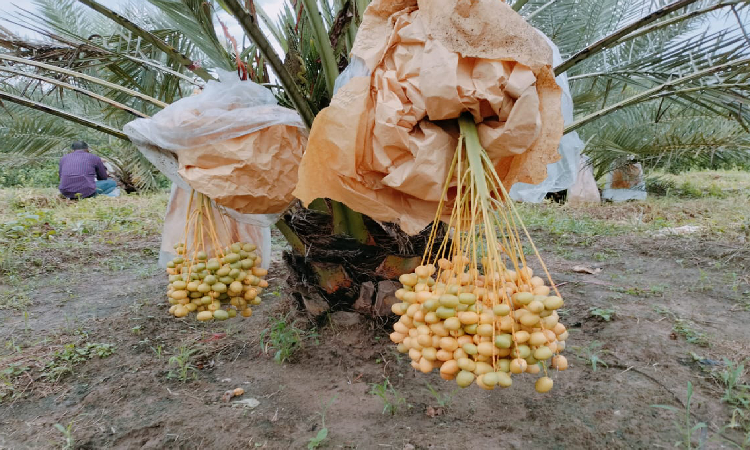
(89, 357)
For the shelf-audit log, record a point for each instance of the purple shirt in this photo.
(78, 173)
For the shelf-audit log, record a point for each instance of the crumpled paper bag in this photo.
(251, 174)
(387, 140)
(230, 142)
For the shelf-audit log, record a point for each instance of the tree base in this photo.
(339, 273)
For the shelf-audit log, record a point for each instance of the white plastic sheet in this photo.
(225, 110)
(562, 174)
(115, 193)
(356, 68)
(584, 190)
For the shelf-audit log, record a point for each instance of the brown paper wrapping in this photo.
(252, 174)
(384, 145)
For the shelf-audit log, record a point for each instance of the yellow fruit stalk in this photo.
(477, 312)
(217, 284)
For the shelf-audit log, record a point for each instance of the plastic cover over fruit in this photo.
(230, 230)
(564, 173)
(625, 183)
(231, 142)
(388, 138)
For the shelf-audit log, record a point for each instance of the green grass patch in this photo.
(39, 232)
(64, 361)
(283, 338)
(560, 220)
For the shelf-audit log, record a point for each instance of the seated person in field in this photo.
(82, 174)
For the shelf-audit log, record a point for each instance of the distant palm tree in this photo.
(646, 87)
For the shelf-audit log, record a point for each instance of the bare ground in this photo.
(680, 306)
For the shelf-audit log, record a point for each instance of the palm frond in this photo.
(252, 28)
(23, 101)
(194, 19)
(74, 74)
(77, 89)
(272, 27)
(149, 37)
(130, 167)
(675, 142)
(69, 15)
(29, 135)
(323, 41)
(735, 69)
(620, 34)
(627, 75)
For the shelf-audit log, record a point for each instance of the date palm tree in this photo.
(646, 83)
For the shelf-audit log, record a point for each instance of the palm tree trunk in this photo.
(338, 272)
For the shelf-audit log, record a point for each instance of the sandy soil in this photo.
(658, 287)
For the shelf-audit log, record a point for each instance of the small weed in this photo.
(136, 306)
(736, 394)
(318, 439)
(182, 369)
(13, 371)
(64, 361)
(322, 435)
(705, 283)
(7, 379)
(14, 299)
(735, 281)
(34, 223)
(653, 291)
(68, 442)
(12, 346)
(605, 255)
(443, 400)
(658, 290)
(685, 425)
(690, 190)
(604, 314)
(392, 399)
(685, 328)
(744, 301)
(284, 338)
(564, 252)
(158, 350)
(591, 353)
